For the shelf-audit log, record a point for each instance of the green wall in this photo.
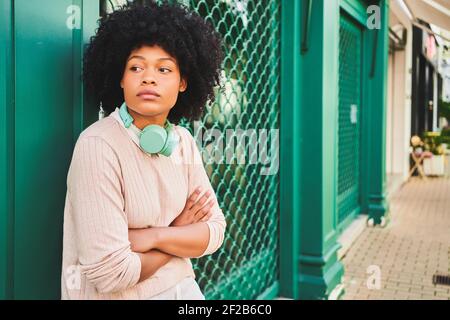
(39, 125)
(6, 149)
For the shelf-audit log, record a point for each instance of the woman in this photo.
(139, 203)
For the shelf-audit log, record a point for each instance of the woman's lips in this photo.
(147, 96)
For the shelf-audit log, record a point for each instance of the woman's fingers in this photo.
(199, 204)
(206, 218)
(205, 211)
(192, 198)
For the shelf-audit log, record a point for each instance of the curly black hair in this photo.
(185, 35)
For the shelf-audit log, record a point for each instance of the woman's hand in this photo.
(197, 209)
(142, 240)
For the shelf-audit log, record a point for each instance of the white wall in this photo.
(398, 121)
(446, 90)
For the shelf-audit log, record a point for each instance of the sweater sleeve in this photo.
(199, 178)
(101, 226)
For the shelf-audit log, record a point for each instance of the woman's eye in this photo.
(164, 70)
(136, 69)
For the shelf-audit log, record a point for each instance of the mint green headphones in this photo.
(153, 138)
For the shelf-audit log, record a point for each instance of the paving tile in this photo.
(410, 250)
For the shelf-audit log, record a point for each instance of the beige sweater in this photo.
(113, 185)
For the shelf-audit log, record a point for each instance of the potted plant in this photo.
(434, 165)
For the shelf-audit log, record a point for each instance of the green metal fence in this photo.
(349, 137)
(246, 266)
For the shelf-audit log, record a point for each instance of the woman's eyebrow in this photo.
(143, 58)
(168, 58)
(136, 57)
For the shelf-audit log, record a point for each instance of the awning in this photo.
(435, 12)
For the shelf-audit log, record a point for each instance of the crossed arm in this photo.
(156, 246)
(190, 234)
(186, 237)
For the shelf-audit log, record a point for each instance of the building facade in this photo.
(313, 71)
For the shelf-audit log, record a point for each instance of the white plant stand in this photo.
(434, 166)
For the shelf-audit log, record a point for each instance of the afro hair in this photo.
(183, 34)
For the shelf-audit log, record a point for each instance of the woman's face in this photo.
(151, 83)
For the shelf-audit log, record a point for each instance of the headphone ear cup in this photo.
(153, 139)
(171, 142)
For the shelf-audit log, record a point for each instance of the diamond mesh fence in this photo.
(350, 52)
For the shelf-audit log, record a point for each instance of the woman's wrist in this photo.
(143, 240)
(154, 237)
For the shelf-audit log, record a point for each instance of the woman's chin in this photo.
(149, 109)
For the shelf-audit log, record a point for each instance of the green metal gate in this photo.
(349, 129)
(246, 267)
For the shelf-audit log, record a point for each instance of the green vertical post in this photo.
(43, 136)
(320, 270)
(6, 149)
(290, 148)
(83, 113)
(377, 43)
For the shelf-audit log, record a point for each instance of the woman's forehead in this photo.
(149, 53)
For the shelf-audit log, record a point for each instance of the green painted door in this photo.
(43, 143)
(42, 122)
(349, 129)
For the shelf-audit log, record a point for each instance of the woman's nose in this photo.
(148, 81)
(149, 78)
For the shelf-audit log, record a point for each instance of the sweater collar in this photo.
(133, 131)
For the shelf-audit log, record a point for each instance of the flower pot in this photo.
(434, 166)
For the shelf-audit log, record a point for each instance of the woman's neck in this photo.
(141, 121)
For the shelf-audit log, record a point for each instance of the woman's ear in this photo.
(183, 85)
(121, 84)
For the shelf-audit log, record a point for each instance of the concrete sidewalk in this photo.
(409, 251)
